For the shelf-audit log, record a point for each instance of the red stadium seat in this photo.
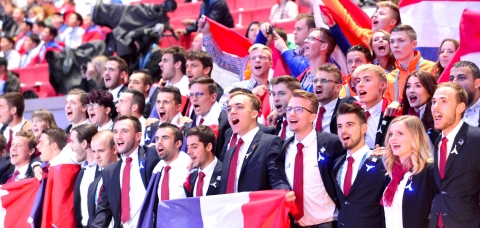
(36, 78)
(186, 10)
(288, 26)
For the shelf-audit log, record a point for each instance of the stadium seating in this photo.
(37, 79)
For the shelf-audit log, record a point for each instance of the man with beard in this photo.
(282, 88)
(115, 71)
(327, 84)
(359, 178)
(173, 68)
(169, 174)
(306, 161)
(457, 161)
(205, 180)
(142, 81)
(467, 75)
(125, 182)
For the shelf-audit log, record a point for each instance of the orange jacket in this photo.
(354, 33)
(402, 77)
(343, 91)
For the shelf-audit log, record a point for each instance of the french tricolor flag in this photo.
(435, 21)
(16, 202)
(247, 209)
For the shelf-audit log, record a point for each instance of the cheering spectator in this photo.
(41, 120)
(12, 106)
(282, 89)
(72, 36)
(356, 56)
(252, 30)
(200, 64)
(76, 109)
(142, 81)
(114, 73)
(147, 54)
(173, 68)
(8, 80)
(216, 10)
(447, 50)
(382, 54)
(9, 53)
(409, 195)
(284, 10)
(467, 75)
(101, 109)
(132, 102)
(32, 47)
(22, 154)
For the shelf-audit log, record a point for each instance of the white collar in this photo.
(134, 155)
(22, 171)
(17, 127)
(309, 140)
(179, 162)
(115, 91)
(210, 167)
(248, 137)
(454, 132)
(331, 105)
(86, 121)
(107, 126)
(357, 156)
(376, 109)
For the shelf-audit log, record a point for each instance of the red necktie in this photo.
(9, 143)
(201, 121)
(187, 114)
(165, 190)
(347, 183)
(99, 193)
(412, 112)
(201, 175)
(125, 216)
(233, 168)
(68, 138)
(367, 114)
(283, 135)
(321, 111)
(233, 141)
(12, 179)
(298, 181)
(442, 163)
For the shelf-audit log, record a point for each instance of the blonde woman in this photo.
(408, 197)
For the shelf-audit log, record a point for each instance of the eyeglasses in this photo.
(94, 105)
(323, 81)
(197, 95)
(311, 38)
(297, 109)
(261, 57)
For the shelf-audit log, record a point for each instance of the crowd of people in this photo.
(382, 146)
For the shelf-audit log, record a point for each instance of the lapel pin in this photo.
(429, 131)
(219, 177)
(320, 157)
(374, 159)
(141, 165)
(384, 122)
(369, 167)
(454, 151)
(460, 142)
(214, 184)
(379, 130)
(409, 186)
(322, 150)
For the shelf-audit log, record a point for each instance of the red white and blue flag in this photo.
(470, 42)
(247, 209)
(17, 200)
(435, 21)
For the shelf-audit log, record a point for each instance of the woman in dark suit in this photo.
(408, 197)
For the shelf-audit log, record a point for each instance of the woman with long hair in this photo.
(408, 197)
(382, 54)
(419, 90)
(42, 119)
(445, 55)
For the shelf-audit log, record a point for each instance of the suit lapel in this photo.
(336, 175)
(116, 183)
(321, 156)
(282, 156)
(98, 171)
(141, 164)
(216, 178)
(192, 180)
(435, 158)
(251, 149)
(362, 173)
(457, 146)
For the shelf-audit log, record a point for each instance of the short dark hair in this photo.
(178, 53)
(209, 82)
(85, 132)
(9, 39)
(81, 93)
(204, 58)
(177, 96)
(101, 97)
(331, 68)
(31, 139)
(327, 36)
(364, 50)
(177, 133)
(347, 108)
(291, 82)
(406, 28)
(256, 103)
(79, 17)
(3, 143)
(4, 62)
(205, 135)
(122, 64)
(40, 23)
(53, 31)
(28, 24)
(56, 135)
(137, 99)
(281, 32)
(308, 17)
(309, 96)
(240, 90)
(15, 99)
(146, 79)
(472, 66)
(34, 38)
(137, 126)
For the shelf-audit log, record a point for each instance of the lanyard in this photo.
(396, 78)
(143, 61)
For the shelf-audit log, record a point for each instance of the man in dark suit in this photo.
(116, 69)
(125, 182)
(457, 161)
(250, 164)
(169, 174)
(371, 84)
(205, 180)
(105, 153)
(282, 88)
(5, 163)
(359, 178)
(80, 144)
(306, 161)
(21, 157)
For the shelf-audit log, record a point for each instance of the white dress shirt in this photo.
(143, 122)
(421, 111)
(176, 176)
(372, 123)
(208, 171)
(394, 213)
(107, 126)
(211, 118)
(72, 36)
(318, 206)
(97, 192)
(182, 85)
(327, 116)
(22, 172)
(28, 56)
(15, 129)
(247, 140)
(13, 58)
(116, 92)
(358, 157)
(471, 114)
(66, 156)
(175, 119)
(137, 189)
(451, 139)
(87, 179)
(288, 133)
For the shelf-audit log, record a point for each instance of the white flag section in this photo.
(337, 54)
